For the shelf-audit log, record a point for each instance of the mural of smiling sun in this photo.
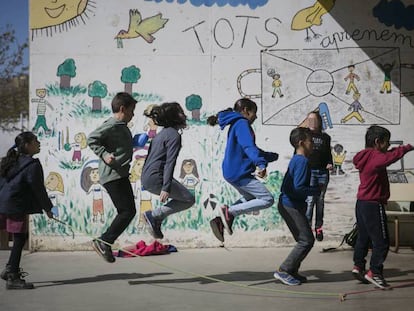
(56, 15)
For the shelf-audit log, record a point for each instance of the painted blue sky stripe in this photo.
(253, 4)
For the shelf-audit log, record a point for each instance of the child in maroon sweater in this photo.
(373, 194)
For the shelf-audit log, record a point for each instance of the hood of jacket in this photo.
(22, 162)
(228, 117)
(362, 158)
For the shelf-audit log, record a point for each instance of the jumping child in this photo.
(157, 173)
(242, 160)
(112, 143)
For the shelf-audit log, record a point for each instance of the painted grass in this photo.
(54, 89)
(78, 211)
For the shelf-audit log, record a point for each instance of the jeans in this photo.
(122, 197)
(180, 198)
(255, 196)
(321, 178)
(372, 226)
(299, 227)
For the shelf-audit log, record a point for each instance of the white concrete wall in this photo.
(220, 53)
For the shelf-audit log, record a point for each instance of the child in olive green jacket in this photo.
(112, 143)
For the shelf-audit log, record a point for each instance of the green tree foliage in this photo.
(129, 76)
(97, 90)
(14, 86)
(66, 71)
(193, 103)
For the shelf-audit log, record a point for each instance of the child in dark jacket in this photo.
(241, 160)
(372, 197)
(320, 163)
(22, 192)
(292, 206)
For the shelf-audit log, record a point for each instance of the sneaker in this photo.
(319, 234)
(376, 279)
(103, 250)
(14, 281)
(154, 226)
(359, 274)
(4, 274)
(226, 218)
(299, 277)
(286, 278)
(218, 228)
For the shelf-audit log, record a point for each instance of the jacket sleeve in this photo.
(246, 141)
(96, 142)
(385, 159)
(173, 147)
(35, 180)
(269, 156)
(329, 150)
(301, 181)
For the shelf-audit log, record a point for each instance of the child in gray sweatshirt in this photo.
(157, 173)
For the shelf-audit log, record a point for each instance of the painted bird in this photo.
(311, 16)
(139, 27)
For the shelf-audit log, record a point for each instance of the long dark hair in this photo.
(169, 114)
(239, 106)
(15, 151)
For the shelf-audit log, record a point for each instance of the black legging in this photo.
(120, 191)
(19, 239)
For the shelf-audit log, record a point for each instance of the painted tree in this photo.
(194, 103)
(97, 90)
(129, 76)
(66, 71)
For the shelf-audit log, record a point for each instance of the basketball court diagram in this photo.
(352, 86)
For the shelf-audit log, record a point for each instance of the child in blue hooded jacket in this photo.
(242, 161)
(292, 206)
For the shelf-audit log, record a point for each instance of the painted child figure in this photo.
(142, 196)
(77, 146)
(42, 104)
(55, 189)
(189, 175)
(338, 158)
(90, 184)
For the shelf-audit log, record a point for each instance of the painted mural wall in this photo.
(353, 61)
